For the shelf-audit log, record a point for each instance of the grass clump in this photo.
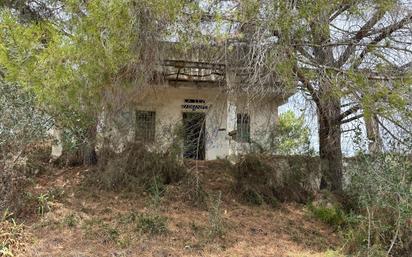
(71, 220)
(193, 191)
(330, 214)
(12, 237)
(98, 229)
(43, 204)
(253, 197)
(151, 224)
(56, 193)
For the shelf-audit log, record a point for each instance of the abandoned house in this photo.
(216, 117)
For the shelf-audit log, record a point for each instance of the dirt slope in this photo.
(85, 222)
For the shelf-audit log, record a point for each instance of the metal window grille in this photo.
(243, 127)
(145, 126)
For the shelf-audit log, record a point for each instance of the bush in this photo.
(252, 197)
(12, 190)
(253, 179)
(380, 187)
(267, 179)
(136, 168)
(16, 175)
(332, 215)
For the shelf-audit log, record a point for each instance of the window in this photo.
(145, 126)
(243, 127)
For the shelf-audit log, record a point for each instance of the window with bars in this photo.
(243, 128)
(145, 126)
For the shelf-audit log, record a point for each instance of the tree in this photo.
(291, 136)
(21, 123)
(94, 58)
(346, 56)
(33, 10)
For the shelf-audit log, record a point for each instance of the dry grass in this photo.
(88, 222)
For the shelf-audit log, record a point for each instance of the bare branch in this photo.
(350, 111)
(387, 31)
(351, 119)
(362, 32)
(308, 85)
(341, 10)
(390, 133)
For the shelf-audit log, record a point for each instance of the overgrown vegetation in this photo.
(136, 169)
(12, 237)
(75, 65)
(151, 223)
(23, 129)
(330, 214)
(261, 178)
(376, 220)
(380, 188)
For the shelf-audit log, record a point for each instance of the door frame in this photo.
(200, 150)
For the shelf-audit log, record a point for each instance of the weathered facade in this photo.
(205, 102)
(220, 125)
(216, 118)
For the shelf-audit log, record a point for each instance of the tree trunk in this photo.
(330, 144)
(373, 134)
(89, 148)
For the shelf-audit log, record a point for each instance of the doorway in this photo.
(194, 135)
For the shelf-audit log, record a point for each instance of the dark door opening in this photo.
(194, 135)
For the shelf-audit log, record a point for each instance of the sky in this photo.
(300, 106)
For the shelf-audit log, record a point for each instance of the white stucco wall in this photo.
(167, 102)
(263, 113)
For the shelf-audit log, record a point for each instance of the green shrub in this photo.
(43, 204)
(380, 188)
(331, 215)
